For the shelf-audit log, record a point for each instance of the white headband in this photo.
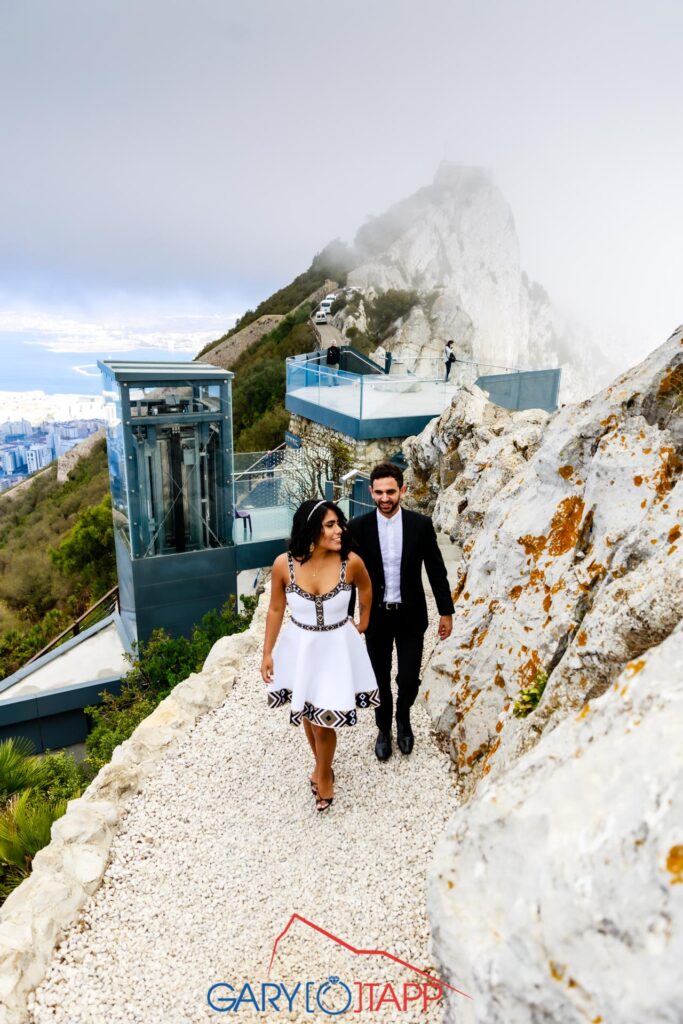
(314, 508)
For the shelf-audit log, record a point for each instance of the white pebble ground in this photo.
(225, 844)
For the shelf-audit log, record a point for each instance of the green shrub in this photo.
(34, 792)
(388, 307)
(266, 433)
(66, 778)
(20, 769)
(530, 697)
(339, 303)
(25, 826)
(87, 551)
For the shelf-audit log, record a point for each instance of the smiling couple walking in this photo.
(320, 665)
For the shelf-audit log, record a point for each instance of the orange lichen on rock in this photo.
(460, 586)
(671, 381)
(643, 503)
(480, 638)
(493, 605)
(529, 670)
(581, 638)
(498, 678)
(556, 970)
(565, 471)
(674, 534)
(666, 474)
(533, 545)
(674, 864)
(499, 726)
(646, 451)
(583, 712)
(564, 529)
(635, 667)
(638, 480)
(547, 601)
(491, 751)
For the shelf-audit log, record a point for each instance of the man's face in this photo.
(387, 495)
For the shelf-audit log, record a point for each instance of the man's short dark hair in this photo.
(385, 469)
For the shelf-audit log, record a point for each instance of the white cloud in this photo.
(167, 332)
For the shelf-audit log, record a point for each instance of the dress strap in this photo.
(290, 561)
(342, 575)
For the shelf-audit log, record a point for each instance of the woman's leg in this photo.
(325, 745)
(310, 736)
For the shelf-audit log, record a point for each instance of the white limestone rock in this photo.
(556, 895)
(455, 243)
(571, 557)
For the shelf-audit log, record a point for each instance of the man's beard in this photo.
(387, 506)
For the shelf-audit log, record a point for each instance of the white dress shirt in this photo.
(391, 545)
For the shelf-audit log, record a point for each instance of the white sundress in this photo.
(320, 663)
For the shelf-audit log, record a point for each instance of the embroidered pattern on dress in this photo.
(294, 588)
(324, 716)
(319, 629)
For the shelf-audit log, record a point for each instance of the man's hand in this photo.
(445, 626)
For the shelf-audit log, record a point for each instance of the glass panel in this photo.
(117, 462)
(179, 472)
(171, 400)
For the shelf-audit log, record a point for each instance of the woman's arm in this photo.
(358, 574)
(276, 611)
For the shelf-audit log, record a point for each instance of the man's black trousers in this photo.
(391, 627)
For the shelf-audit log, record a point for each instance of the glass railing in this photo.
(368, 396)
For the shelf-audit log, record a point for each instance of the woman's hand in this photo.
(267, 668)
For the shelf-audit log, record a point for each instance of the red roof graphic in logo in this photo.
(360, 952)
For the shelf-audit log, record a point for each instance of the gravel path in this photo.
(225, 844)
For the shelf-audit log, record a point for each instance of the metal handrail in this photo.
(249, 469)
(75, 626)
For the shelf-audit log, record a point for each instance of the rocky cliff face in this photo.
(571, 576)
(455, 243)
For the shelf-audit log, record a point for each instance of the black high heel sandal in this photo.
(325, 801)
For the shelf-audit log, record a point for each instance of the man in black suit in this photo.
(394, 543)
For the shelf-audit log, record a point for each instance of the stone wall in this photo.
(363, 455)
(67, 461)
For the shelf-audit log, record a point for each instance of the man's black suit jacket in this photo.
(419, 545)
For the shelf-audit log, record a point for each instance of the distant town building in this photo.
(38, 456)
(14, 427)
(25, 449)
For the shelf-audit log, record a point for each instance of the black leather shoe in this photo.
(404, 735)
(383, 746)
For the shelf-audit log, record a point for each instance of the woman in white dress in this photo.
(320, 665)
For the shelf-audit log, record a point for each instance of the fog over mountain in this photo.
(454, 242)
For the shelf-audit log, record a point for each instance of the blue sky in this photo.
(187, 157)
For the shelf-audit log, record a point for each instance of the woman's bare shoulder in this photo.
(280, 566)
(355, 562)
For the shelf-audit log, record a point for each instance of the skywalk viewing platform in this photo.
(367, 402)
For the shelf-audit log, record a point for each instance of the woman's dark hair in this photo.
(307, 527)
(385, 469)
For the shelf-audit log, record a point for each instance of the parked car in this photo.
(320, 317)
(326, 305)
